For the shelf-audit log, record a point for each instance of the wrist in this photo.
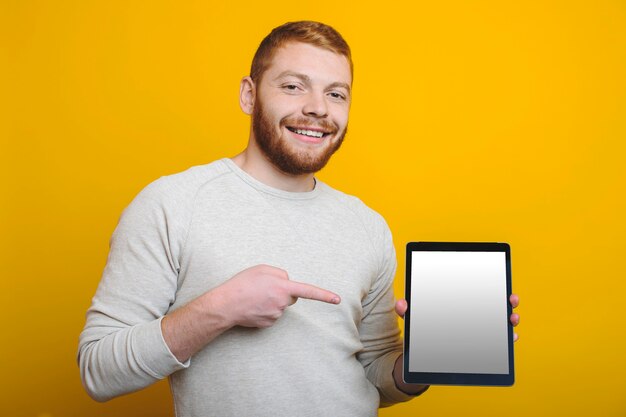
(407, 388)
(213, 308)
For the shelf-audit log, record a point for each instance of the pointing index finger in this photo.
(311, 292)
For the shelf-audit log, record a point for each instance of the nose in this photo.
(315, 105)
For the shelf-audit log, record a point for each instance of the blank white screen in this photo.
(458, 312)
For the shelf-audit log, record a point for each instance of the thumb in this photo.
(401, 307)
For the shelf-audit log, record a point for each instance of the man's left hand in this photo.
(416, 389)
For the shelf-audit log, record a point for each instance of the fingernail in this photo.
(335, 300)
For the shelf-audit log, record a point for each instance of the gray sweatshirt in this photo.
(187, 233)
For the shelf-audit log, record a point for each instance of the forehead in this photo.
(318, 64)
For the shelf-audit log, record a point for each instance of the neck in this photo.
(252, 161)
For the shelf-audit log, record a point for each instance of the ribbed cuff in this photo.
(153, 353)
(389, 392)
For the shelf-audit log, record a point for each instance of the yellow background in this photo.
(471, 121)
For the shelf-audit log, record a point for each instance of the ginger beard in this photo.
(278, 151)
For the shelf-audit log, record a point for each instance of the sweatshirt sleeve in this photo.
(379, 331)
(121, 348)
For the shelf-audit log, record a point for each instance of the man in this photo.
(206, 266)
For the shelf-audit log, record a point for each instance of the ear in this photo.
(247, 95)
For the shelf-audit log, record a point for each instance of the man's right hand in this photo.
(258, 296)
(255, 297)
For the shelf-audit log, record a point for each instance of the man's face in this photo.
(300, 115)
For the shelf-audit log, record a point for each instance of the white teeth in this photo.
(309, 133)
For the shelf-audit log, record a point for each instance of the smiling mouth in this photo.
(308, 132)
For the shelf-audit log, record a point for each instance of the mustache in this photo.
(305, 122)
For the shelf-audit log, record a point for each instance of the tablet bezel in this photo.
(447, 378)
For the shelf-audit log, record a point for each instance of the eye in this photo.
(337, 96)
(291, 87)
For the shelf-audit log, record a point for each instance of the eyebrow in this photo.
(306, 79)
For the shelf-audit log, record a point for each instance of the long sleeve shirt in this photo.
(186, 234)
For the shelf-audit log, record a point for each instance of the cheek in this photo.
(341, 113)
(343, 120)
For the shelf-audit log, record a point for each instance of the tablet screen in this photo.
(457, 322)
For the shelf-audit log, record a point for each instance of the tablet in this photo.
(457, 329)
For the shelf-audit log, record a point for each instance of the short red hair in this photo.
(305, 31)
